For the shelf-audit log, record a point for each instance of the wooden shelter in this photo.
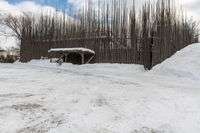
(73, 55)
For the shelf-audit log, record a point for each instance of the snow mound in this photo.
(184, 64)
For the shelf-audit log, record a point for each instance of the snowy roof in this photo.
(71, 50)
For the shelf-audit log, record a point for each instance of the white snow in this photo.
(41, 97)
(71, 50)
(184, 64)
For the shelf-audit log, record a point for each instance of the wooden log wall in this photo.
(116, 33)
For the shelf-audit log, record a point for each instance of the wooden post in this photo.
(66, 55)
(82, 55)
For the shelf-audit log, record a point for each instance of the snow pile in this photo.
(184, 64)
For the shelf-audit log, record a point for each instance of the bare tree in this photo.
(14, 23)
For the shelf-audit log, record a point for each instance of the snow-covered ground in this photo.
(41, 97)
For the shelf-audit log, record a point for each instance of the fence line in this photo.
(115, 33)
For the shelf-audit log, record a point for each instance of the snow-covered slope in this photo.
(184, 64)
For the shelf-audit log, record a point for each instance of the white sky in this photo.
(192, 7)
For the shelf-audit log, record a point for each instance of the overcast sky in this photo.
(192, 7)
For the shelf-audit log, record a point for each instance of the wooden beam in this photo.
(60, 58)
(90, 59)
(66, 55)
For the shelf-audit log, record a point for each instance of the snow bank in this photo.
(98, 68)
(184, 64)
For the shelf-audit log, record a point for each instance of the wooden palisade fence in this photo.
(116, 33)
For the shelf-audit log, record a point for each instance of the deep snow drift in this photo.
(41, 97)
(184, 64)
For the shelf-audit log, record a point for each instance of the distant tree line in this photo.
(116, 33)
(8, 58)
